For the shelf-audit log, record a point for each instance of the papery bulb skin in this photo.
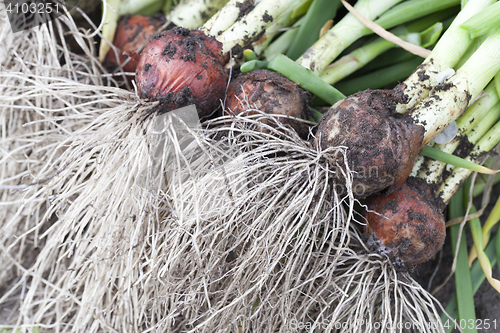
(180, 67)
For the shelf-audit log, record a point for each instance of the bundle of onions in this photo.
(408, 224)
(182, 67)
(391, 18)
(386, 157)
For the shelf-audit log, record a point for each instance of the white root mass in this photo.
(112, 223)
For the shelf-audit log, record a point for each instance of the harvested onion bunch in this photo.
(182, 67)
(386, 160)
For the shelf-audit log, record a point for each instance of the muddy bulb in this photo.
(405, 225)
(269, 92)
(381, 145)
(180, 67)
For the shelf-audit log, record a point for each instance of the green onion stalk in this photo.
(191, 14)
(446, 54)
(445, 103)
(284, 21)
(350, 63)
(458, 175)
(350, 29)
(472, 125)
(226, 17)
(305, 32)
(369, 112)
(449, 100)
(398, 54)
(342, 35)
(251, 27)
(281, 44)
(143, 7)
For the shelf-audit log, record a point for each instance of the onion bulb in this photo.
(132, 33)
(407, 225)
(382, 145)
(269, 92)
(180, 67)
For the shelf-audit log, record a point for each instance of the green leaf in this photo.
(463, 283)
(305, 78)
(439, 155)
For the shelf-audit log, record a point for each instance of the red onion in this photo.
(408, 224)
(132, 33)
(180, 67)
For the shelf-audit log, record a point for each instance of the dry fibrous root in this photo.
(47, 94)
(118, 218)
(80, 232)
(40, 105)
(152, 223)
(114, 244)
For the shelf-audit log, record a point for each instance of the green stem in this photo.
(318, 14)
(254, 23)
(458, 175)
(343, 34)
(349, 29)
(379, 78)
(283, 42)
(463, 282)
(394, 56)
(477, 278)
(111, 14)
(253, 64)
(305, 79)
(362, 56)
(448, 101)
(225, 17)
(483, 21)
(285, 20)
(143, 7)
(473, 124)
(446, 54)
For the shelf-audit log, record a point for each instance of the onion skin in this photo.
(180, 67)
(411, 229)
(132, 33)
(382, 146)
(271, 93)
